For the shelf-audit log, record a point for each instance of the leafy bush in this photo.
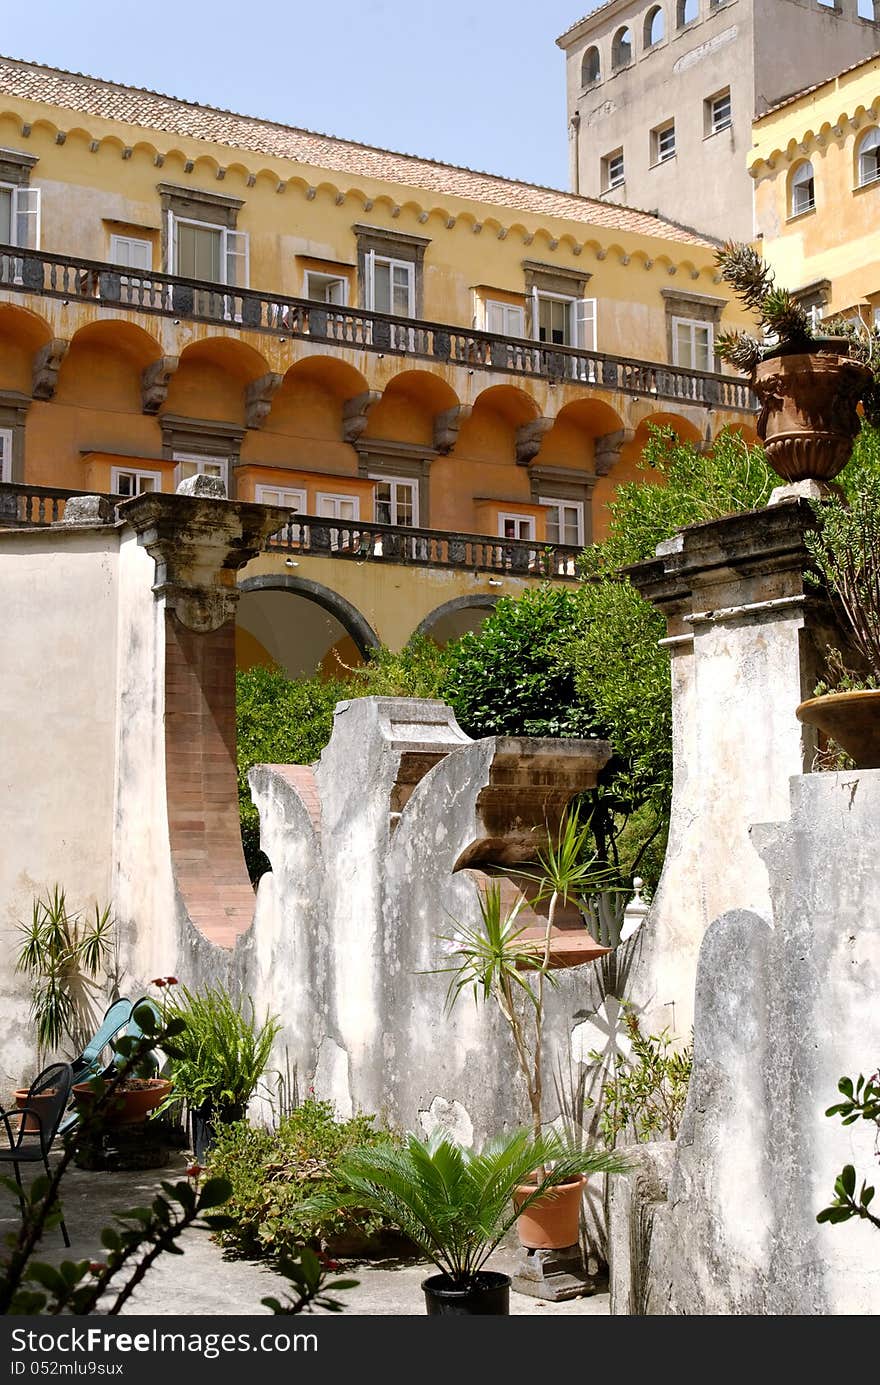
(643, 1098)
(508, 679)
(221, 1052)
(861, 1101)
(273, 1172)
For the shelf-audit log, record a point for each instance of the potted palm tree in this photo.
(845, 548)
(503, 960)
(809, 385)
(456, 1205)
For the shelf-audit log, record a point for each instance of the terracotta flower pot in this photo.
(850, 718)
(30, 1126)
(808, 416)
(552, 1221)
(129, 1105)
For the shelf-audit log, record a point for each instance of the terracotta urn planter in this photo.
(850, 718)
(37, 1103)
(131, 1103)
(552, 1221)
(808, 416)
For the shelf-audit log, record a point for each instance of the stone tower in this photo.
(662, 94)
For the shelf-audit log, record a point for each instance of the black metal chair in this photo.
(38, 1122)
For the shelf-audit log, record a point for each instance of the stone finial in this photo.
(86, 512)
(636, 911)
(205, 487)
(258, 398)
(47, 364)
(529, 437)
(447, 425)
(155, 379)
(355, 412)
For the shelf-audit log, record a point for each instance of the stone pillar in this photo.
(746, 637)
(185, 714)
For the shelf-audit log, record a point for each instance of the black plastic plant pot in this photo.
(487, 1292)
(205, 1120)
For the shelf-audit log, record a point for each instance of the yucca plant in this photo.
(65, 954)
(496, 961)
(456, 1205)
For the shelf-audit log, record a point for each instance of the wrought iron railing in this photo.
(308, 536)
(91, 281)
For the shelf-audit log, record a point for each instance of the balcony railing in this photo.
(170, 295)
(25, 506)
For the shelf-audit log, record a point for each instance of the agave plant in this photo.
(456, 1205)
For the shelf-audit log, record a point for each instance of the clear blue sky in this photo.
(475, 82)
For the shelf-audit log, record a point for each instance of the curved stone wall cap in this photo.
(85, 511)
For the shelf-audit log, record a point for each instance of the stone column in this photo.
(746, 638)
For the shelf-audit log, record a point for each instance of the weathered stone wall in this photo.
(786, 1004)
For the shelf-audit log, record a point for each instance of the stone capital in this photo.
(198, 545)
(258, 398)
(47, 364)
(447, 425)
(529, 438)
(155, 379)
(355, 412)
(606, 450)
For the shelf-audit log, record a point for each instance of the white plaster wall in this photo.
(57, 739)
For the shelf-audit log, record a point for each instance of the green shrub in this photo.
(272, 1172)
(222, 1050)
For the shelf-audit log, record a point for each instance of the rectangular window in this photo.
(277, 495)
(338, 507)
(507, 319)
(865, 10)
(131, 253)
(563, 321)
(663, 143)
(20, 216)
(130, 483)
(396, 501)
(190, 464)
(565, 521)
(391, 285)
(612, 170)
(5, 454)
(520, 527)
(213, 254)
(693, 344)
(326, 288)
(718, 113)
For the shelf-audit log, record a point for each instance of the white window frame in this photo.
(25, 203)
(201, 464)
(372, 259)
(607, 184)
(508, 311)
(557, 503)
(796, 184)
(582, 329)
(337, 497)
(657, 155)
(131, 280)
(300, 506)
(328, 279)
(693, 323)
(864, 182)
(528, 520)
(714, 128)
(6, 435)
(117, 471)
(410, 484)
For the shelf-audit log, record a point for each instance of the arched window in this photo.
(869, 157)
(655, 26)
(688, 11)
(591, 68)
(802, 189)
(622, 49)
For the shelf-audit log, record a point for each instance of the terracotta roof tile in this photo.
(151, 110)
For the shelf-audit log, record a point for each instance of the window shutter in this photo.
(26, 217)
(236, 254)
(369, 280)
(171, 243)
(536, 325)
(516, 322)
(585, 323)
(495, 318)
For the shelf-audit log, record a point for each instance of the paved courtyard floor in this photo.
(203, 1281)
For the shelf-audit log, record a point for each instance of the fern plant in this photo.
(221, 1052)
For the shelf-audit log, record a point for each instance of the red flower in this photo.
(193, 1170)
(97, 1267)
(171, 981)
(158, 981)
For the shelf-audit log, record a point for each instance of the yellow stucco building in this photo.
(367, 337)
(816, 165)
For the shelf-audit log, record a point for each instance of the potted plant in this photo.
(64, 954)
(845, 548)
(131, 1101)
(456, 1205)
(217, 1059)
(809, 384)
(502, 959)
